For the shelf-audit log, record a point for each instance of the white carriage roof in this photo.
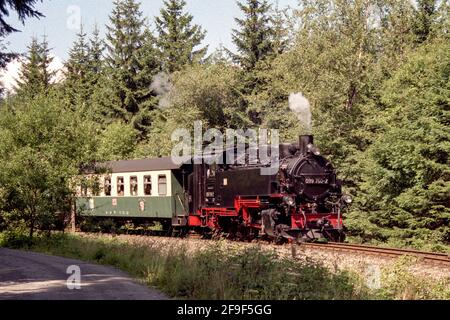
(164, 163)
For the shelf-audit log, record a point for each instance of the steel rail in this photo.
(430, 256)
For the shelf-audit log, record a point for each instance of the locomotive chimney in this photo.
(304, 140)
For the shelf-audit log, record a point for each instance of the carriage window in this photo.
(120, 186)
(147, 185)
(96, 187)
(84, 188)
(107, 186)
(134, 186)
(162, 185)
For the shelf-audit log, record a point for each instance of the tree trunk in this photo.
(73, 217)
(31, 232)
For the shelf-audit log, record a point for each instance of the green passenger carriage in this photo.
(146, 189)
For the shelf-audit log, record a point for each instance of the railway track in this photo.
(432, 257)
(427, 257)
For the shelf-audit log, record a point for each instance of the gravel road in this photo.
(34, 276)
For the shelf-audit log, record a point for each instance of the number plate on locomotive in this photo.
(316, 180)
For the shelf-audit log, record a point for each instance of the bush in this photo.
(14, 239)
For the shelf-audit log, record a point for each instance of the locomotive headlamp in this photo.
(290, 201)
(347, 199)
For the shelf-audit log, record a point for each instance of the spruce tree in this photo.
(127, 64)
(280, 32)
(406, 174)
(96, 49)
(177, 37)
(23, 9)
(77, 70)
(45, 61)
(254, 37)
(424, 19)
(255, 40)
(35, 75)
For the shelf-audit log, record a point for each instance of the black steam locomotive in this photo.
(301, 201)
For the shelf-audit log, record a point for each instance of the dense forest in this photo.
(376, 73)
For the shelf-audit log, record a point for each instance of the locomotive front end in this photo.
(312, 194)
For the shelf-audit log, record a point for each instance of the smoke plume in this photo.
(301, 107)
(162, 86)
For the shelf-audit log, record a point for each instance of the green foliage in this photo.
(177, 38)
(15, 239)
(376, 74)
(406, 169)
(117, 142)
(401, 284)
(424, 19)
(254, 37)
(41, 151)
(35, 75)
(208, 93)
(211, 92)
(24, 9)
(131, 65)
(83, 70)
(258, 40)
(248, 274)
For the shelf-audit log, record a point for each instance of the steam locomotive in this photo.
(302, 201)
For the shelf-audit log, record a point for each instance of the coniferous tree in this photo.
(77, 74)
(177, 37)
(130, 74)
(255, 43)
(96, 49)
(424, 19)
(405, 171)
(46, 60)
(254, 37)
(35, 75)
(280, 32)
(24, 9)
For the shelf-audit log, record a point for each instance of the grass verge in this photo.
(217, 272)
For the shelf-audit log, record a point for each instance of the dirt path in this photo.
(28, 275)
